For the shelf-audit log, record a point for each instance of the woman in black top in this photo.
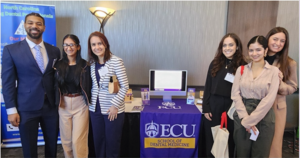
(73, 94)
(217, 90)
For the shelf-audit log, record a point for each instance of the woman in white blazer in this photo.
(106, 110)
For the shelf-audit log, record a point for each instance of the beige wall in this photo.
(161, 35)
(150, 35)
(288, 17)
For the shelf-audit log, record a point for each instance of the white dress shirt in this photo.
(42, 49)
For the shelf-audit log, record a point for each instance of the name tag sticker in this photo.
(229, 77)
(103, 71)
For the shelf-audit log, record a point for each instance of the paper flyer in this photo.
(191, 96)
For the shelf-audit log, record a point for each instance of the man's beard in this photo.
(34, 36)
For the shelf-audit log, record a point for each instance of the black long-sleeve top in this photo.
(216, 85)
(70, 84)
(270, 59)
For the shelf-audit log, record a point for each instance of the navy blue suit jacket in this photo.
(18, 64)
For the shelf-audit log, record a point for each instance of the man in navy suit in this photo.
(30, 101)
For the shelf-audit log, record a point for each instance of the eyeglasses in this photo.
(67, 45)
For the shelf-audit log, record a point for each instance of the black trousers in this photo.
(218, 105)
(29, 124)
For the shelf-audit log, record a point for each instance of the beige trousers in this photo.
(280, 120)
(74, 126)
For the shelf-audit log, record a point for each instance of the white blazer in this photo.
(116, 67)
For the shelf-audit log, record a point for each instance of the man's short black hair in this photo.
(35, 14)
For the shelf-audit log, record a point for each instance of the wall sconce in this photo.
(102, 14)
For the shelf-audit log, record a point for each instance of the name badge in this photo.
(103, 71)
(229, 77)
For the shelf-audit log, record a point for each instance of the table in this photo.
(138, 102)
(130, 143)
(169, 129)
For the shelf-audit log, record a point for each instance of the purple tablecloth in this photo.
(169, 129)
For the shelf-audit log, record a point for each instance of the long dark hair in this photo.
(220, 58)
(284, 58)
(63, 64)
(107, 53)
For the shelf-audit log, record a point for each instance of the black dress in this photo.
(216, 100)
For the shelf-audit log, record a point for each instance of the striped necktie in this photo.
(39, 57)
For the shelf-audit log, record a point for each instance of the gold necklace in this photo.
(227, 64)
